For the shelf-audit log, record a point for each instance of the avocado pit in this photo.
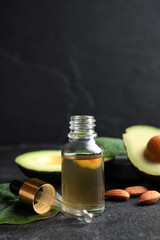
(152, 151)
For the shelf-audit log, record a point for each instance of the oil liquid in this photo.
(83, 183)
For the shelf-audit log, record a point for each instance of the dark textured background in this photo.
(59, 58)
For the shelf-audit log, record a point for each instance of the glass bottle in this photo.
(83, 168)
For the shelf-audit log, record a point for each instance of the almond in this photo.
(149, 197)
(135, 191)
(117, 194)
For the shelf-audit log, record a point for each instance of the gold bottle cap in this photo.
(37, 194)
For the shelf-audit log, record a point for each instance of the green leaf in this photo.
(18, 214)
(14, 212)
(112, 147)
(6, 197)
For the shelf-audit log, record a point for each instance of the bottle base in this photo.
(97, 211)
(80, 213)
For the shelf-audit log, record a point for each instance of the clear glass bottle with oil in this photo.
(83, 168)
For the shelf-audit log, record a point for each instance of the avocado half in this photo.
(135, 140)
(44, 165)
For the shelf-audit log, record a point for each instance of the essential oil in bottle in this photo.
(83, 168)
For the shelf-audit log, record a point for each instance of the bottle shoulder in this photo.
(82, 147)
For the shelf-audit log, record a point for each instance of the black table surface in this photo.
(120, 220)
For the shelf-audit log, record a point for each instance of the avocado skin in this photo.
(146, 177)
(50, 177)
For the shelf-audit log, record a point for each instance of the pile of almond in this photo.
(145, 196)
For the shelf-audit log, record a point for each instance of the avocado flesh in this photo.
(45, 165)
(135, 140)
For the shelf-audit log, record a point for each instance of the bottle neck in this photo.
(82, 128)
